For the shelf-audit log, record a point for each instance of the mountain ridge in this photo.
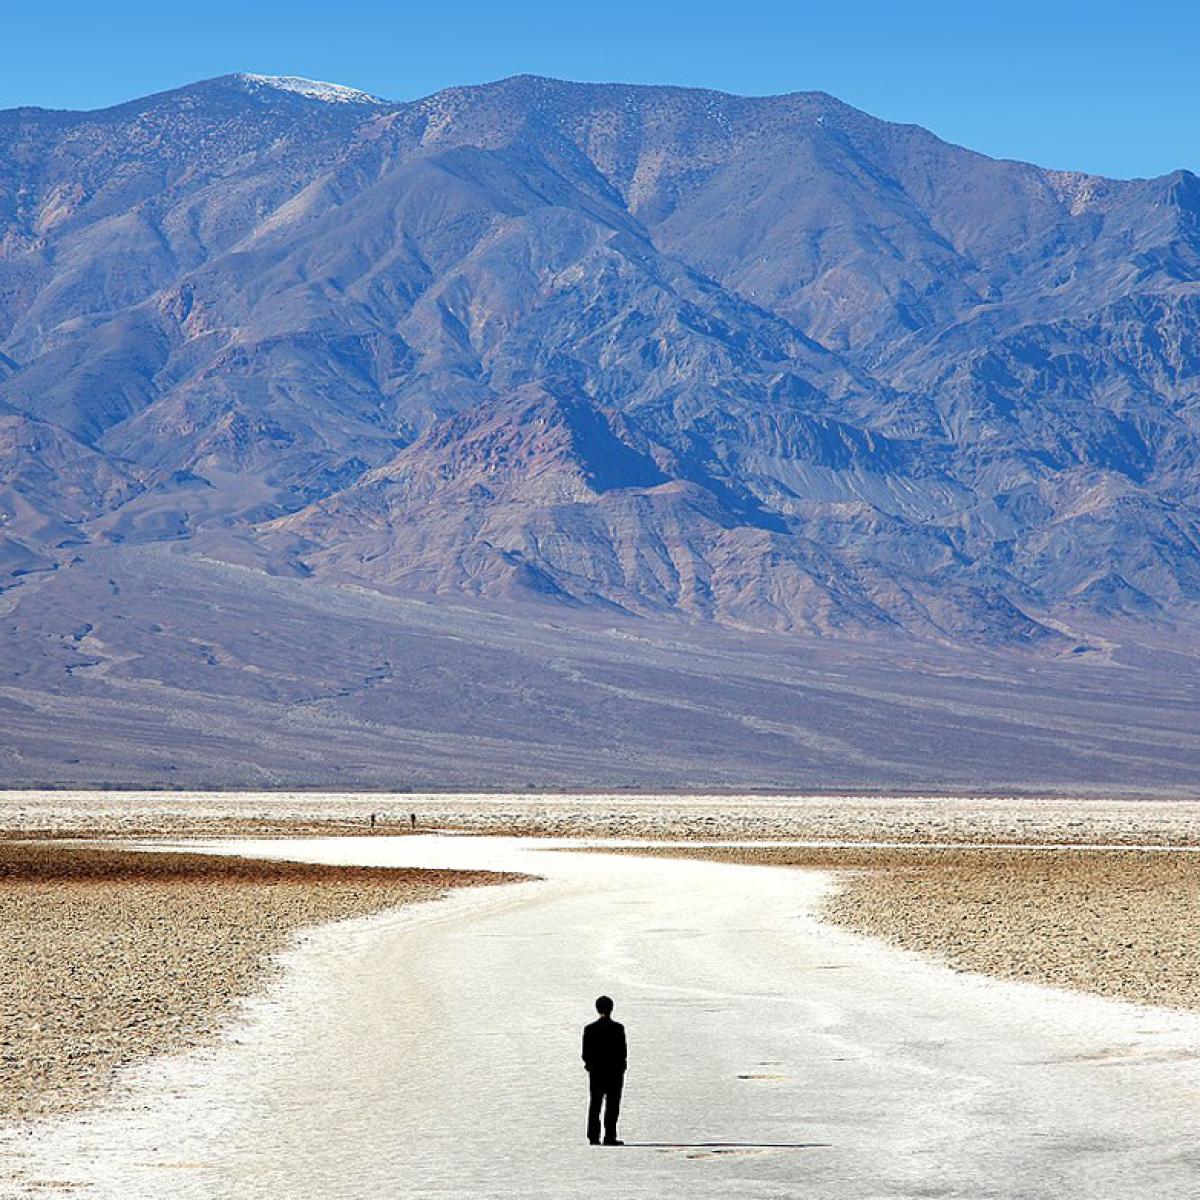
(890, 385)
(1070, 177)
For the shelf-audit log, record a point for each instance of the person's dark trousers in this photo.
(606, 1090)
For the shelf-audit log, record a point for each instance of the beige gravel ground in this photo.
(1123, 924)
(107, 956)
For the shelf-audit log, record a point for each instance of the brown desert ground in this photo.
(1120, 923)
(110, 956)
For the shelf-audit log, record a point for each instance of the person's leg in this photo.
(595, 1096)
(612, 1107)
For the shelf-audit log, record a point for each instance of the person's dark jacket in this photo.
(604, 1050)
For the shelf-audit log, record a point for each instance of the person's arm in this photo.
(624, 1050)
(586, 1048)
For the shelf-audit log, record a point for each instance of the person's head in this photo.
(604, 1006)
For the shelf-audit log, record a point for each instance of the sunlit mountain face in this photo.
(766, 363)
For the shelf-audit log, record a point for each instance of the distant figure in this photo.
(372, 820)
(605, 1056)
(412, 820)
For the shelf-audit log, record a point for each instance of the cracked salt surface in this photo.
(433, 1051)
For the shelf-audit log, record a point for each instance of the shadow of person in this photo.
(732, 1145)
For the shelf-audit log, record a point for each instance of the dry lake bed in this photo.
(858, 997)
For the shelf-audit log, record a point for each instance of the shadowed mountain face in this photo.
(766, 362)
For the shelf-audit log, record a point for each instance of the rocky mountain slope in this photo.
(763, 361)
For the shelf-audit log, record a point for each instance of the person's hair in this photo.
(604, 1005)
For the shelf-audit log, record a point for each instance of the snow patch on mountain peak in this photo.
(312, 89)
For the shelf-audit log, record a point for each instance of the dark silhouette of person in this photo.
(605, 1055)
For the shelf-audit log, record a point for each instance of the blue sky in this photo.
(1106, 87)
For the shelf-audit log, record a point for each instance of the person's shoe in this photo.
(613, 1142)
(593, 1141)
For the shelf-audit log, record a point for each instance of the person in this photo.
(412, 821)
(605, 1055)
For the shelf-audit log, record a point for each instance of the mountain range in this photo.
(762, 364)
